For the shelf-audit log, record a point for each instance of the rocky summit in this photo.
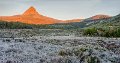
(30, 16)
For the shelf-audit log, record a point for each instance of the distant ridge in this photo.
(31, 16)
(72, 20)
(100, 16)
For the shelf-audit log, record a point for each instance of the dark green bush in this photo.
(62, 53)
(110, 32)
(90, 31)
(91, 59)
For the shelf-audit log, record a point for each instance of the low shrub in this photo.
(111, 32)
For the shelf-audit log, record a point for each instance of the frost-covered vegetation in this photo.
(56, 46)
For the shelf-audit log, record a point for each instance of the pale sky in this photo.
(61, 9)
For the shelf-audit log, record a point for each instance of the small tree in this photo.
(90, 31)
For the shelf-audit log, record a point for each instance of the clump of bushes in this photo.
(91, 59)
(87, 54)
(110, 32)
(83, 54)
(75, 52)
(90, 31)
(62, 53)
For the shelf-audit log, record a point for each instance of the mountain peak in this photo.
(31, 12)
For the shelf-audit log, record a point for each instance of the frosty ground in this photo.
(56, 46)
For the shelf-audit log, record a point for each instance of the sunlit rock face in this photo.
(100, 16)
(30, 16)
(31, 12)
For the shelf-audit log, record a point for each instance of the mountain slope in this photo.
(88, 22)
(85, 22)
(111, 22)
(31, 16)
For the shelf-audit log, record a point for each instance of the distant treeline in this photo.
(18, 25)
(14, 25)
